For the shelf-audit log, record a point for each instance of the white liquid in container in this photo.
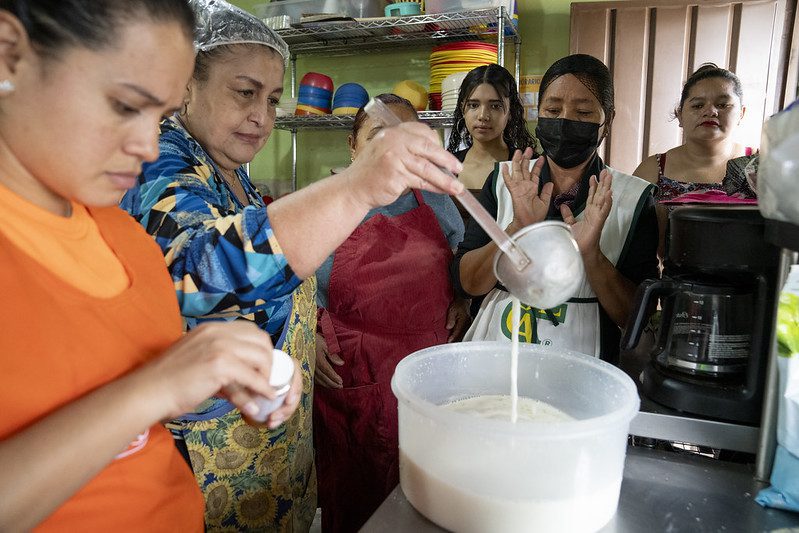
(499, 407)
(459, 509)
(467, 468)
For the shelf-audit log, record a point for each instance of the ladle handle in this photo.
(494, 231)
(379, 110)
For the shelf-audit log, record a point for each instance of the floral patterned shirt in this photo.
(223, 256)
(226, 264)
(733, 183)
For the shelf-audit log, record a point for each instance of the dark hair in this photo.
(53, 25)
(386, 98)
(709, 70)
(591, 72)
(516, 134)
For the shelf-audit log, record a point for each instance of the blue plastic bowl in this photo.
(355, 88)
(316, 92)
(350, 95)
(315, 102)
(352, 90)
(403, 9)
(349, 102)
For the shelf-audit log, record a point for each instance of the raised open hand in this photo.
(588, 230)
(529, 206)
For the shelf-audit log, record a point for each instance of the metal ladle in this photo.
(381, 112)
(542, 284)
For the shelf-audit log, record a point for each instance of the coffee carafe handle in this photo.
(647, 290)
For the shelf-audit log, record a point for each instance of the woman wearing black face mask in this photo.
(611, 213)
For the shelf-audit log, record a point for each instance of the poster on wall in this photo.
(528, 92)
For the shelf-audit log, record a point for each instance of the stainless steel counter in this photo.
(661, 491)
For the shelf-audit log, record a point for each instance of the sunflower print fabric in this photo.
(226, 264)
(255, 479)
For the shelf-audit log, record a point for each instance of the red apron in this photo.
(388, 296)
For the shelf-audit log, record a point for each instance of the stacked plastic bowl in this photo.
(455, 57)
(316, 94)
(349, 98)
(450, 88)
(412, 91)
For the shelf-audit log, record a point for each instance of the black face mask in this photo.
(567, 142)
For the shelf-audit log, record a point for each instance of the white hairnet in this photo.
(220, 23)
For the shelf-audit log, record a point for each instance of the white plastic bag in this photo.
(778, 175)
(784, 490)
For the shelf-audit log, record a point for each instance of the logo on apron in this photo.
(528, 322)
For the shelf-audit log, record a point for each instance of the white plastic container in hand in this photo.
(472, 474)
(280, 378)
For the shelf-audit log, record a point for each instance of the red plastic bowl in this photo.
(314, 79)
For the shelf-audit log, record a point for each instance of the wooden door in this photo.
(651, 47)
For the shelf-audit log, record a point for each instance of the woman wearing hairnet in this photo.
(232, 258)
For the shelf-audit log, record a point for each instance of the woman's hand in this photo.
(291, 402)
(231, 356)
(458, 319)
(529, 205)
(325, 375)
(240, 396)
(396, 159)
(597, 207)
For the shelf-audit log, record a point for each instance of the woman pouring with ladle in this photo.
(611, 214)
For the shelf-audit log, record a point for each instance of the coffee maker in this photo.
(717, 297)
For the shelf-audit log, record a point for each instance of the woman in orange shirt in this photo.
(87, 302)
(91, 349)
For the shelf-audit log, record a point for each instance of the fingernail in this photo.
(251, 408)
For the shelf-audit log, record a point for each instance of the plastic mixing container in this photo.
(468, 473)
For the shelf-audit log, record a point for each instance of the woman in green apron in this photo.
(612, 216)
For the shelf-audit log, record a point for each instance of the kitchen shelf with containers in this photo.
(377, 34)
(435, 119)
(351, 36)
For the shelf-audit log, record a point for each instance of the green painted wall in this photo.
(544, 29)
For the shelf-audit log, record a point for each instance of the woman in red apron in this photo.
(386, 295)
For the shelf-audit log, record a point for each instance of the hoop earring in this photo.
(7, 86)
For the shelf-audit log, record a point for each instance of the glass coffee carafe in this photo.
(705, 330)
(717, 298)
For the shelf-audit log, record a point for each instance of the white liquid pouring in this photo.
(514, 359)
